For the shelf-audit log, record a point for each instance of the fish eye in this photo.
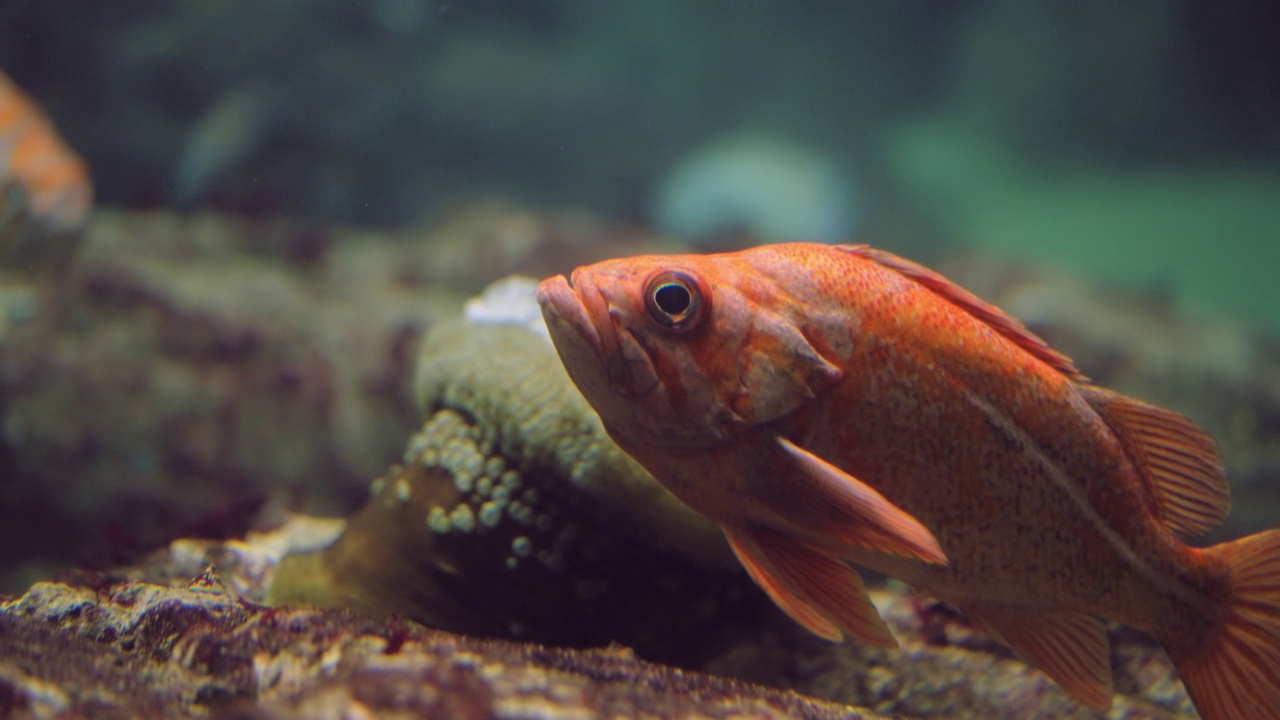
(676, 300)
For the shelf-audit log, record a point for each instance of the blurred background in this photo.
(288, 192)
(1136, 140)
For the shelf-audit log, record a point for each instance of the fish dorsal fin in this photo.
(1000, 321)
(1070, 647)
(1179, 461)
(836, 504)
(818, 591)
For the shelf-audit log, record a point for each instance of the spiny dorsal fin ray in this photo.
(1000, 321)
(1179, 461)
(1070, 647)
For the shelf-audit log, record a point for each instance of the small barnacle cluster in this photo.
(491, 497)
(511, 513)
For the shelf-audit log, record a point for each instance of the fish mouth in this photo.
(578, 303)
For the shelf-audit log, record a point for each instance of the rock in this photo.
(189, 369)
(498, 402)
(148, 640)
(151, 333)
(513, 514)
(946, 668)
(230, 363)
(117, 648)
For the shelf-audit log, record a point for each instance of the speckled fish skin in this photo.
(816, 401)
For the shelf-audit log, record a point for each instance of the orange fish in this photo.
(35, 162)
(829, 404)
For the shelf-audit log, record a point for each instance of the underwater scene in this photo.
(678, 358)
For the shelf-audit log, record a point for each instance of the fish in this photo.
(833, 406)
(223, 139)
(40, 175)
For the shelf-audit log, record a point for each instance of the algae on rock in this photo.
(513, 514)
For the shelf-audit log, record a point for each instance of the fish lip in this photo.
(604, 320)
(560, 302)
(593, 320)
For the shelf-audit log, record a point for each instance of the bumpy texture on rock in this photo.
(157, 644)
(512, 383)
(514, 515)
(189, 369)
(124, 649)
(157, 286)
(946, 668)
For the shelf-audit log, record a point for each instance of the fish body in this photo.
(223, 139)
(830, 404)
(35, 162)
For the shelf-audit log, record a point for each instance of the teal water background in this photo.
(1137, 142)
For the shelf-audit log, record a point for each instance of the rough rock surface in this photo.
(207, 400)
(238, 362)
(227, 363)
(150, 640)
(189, 369)
(946, 668)
(123, 649)
(512, 514)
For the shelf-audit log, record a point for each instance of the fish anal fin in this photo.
(822, 593)
(848, 510)
(1234, 673)
(1000, 321)
(1180, 462)
(1070, 647)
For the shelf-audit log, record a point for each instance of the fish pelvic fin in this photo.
(838, 505)
(1070, 647)
(819, 591)
(1235, 673)
(995, 318)
(1180, 462)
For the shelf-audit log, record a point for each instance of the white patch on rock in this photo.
(509, 301)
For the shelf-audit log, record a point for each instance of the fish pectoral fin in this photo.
(1070, 647)
(1180, 462)
(844, 508)
(820, 592)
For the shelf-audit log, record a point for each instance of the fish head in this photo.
(683, 351)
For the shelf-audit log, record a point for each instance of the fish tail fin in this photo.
(1235, 673)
